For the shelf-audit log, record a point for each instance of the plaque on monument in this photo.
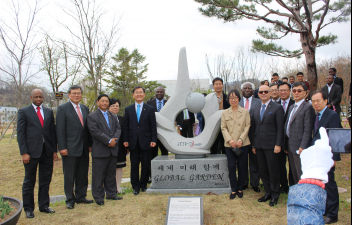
(185, 210)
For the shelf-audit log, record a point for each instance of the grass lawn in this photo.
(151, 209)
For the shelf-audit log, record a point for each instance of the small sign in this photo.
(59, 96)
(185, 211)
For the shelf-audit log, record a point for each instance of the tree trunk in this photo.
(309, 49)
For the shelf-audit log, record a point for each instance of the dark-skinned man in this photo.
(36, 138)
(334, 93)
(337, 80)
(250, 103)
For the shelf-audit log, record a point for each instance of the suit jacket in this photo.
(144, 132)
(256, 103)
(180, 118)
(335, 96)
(330, 119)
(301, 126)
(30, 133)
(339, 82)
(226, 104)
(102, 134)
(235, 128)
(70, 133)
(292, 102)
(153, 104)
(269, 132)
(256, 93)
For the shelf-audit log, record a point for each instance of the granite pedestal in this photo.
(193, 176)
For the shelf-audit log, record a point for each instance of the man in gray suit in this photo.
(299, 128)
(250, 103)
(106, 131)
(74, 142)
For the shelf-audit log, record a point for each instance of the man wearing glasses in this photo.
(299, 128)
(274, 89)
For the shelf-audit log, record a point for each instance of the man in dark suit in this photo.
(218, 85)
(140, 136)
(268, 140)
(158, 105)
(286, 102)
(36, 138)
(298, 128)
(334, 93)
(328, 119)
(251, 104)
(74, 142)
(276, 79)
(106, 132)
(337, 80)
(185, 121)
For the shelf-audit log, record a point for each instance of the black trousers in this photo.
(218, 146)
(140, 156)
(104, 178)
(155, 153)
(254, 174)
(46, 165)
(269, 171)
(240, 163)
(187, 129)
(296, 166)
(284, 182)
(333, 198)
(75, 177)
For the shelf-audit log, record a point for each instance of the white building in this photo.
(196, 84)
(6, 113)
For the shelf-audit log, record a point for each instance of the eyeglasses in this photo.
(299, 91)
(284, 90)
(264, 92)
(233, 99)
(274, 90)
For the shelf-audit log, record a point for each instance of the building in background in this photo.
(7, 113)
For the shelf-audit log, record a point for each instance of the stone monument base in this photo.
(192, 176)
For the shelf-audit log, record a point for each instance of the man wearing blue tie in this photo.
(140, 136)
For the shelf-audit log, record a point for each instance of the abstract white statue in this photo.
(183, 99)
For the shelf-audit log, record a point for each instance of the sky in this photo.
(160, 28)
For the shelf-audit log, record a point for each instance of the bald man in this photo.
(36, 138)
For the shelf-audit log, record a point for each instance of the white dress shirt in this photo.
(75, 107)
(141, 106)
(245, 102)
(329, 87)
(266, 104)
(41, 109)
(184, 116)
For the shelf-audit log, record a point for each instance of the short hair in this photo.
(334, 69)
(275, 75)
(233, 92)
(266, 81)
(74, 87)
(138, 87)
(324, 94)
(274, 84)
(284, 83)
(300, 73)
(285, 78)
(113, 101)
(205, 94)
(253, 86)
(293, 77)
(103, 95)
(218, 79)
(297, 84)
(262, 82)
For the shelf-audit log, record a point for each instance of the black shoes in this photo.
(256, 189)
(274, 202)
(70, 205)
(233, 196)
(328, 220)
(136, 192)
(245, 187)
(265, 198)
(284, 190)
(240, 194)
(115, 199)
(85, 201)
(30, 215)
(47, 210)
(100, 203)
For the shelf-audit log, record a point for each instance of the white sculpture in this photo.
(183, 99)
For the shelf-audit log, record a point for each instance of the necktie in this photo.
(138, 112)
(107, 118)
(185, 112)
(40, 116)
(317, 122)
(262, 112)
(80, 116)
(284, 105)
(159, 106)
(289, 122)
(247, 104)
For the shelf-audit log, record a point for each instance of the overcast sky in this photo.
(160, 28)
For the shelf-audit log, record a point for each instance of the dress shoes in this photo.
(328, 220)
(30, 215)
(245, 187)
(240, 194)
(70, 205)
(136, 192)
(265, 198)
(273, 202)
(256, 189)
(85, 201)
(143, 189)
(115, 199)
(233, 196)
(100, 203)
(284, 190)
(47, 210)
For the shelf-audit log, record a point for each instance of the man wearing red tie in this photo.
(36, 138)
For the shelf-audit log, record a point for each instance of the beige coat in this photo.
(236, 130)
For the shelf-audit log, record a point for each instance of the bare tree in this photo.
(90, 42)
(19, 38)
